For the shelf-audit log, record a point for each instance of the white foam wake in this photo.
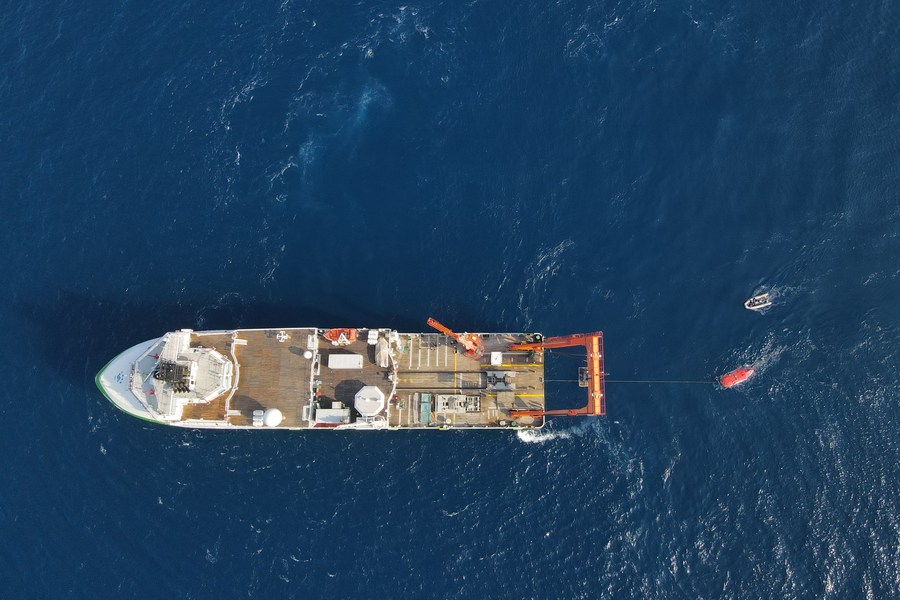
(539, 436)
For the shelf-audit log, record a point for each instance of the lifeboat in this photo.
(340, 337)
(735, 377)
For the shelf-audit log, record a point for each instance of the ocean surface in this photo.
(639, 167)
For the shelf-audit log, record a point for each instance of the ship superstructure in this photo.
(345, 378)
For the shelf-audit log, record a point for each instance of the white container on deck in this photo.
(345, 361)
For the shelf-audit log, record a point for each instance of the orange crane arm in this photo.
(471, 342)
(467, 344)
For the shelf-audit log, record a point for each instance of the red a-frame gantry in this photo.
(593, 345)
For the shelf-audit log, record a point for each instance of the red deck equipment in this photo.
(593, 345)
(340, 337)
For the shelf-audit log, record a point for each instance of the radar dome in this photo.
(272, 417)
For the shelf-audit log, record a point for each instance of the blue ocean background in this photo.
(639, 167)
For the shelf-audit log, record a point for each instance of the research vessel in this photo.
(346, 378)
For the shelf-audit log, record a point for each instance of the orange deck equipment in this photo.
(593, 345)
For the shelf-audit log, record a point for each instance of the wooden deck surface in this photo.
(274, 374)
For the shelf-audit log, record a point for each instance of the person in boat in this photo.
(760, 301)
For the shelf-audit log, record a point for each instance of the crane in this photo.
(472, 342)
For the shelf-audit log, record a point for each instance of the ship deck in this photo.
(432, 364)
(273, 373)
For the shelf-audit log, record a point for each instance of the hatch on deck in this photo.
(369, 401)
(345, 361)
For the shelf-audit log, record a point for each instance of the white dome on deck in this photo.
(272, 417)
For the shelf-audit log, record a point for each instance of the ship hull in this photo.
(311, 378)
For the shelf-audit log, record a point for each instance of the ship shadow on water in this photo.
(76, 334)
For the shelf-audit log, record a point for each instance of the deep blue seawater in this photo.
(639, 167)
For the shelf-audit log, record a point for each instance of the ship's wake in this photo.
(539, 436)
